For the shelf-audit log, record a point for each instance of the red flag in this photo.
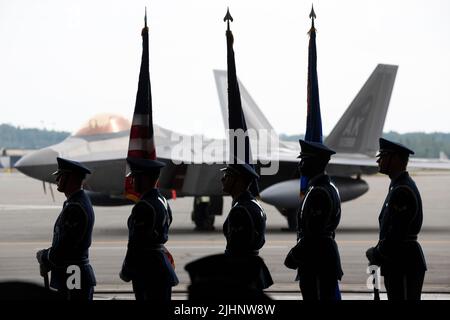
(141, 144)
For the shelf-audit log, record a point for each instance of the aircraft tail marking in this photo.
(362, 123)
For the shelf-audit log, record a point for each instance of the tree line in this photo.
(425, 145)
(26, 138)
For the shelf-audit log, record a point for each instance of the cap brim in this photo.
(60, 171)
(306, 155)
(384, 152)
(140, 171)
(230, 169)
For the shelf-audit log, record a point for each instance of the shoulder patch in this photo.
(145, 210)
(74, 216)
(321, 193)
(403, 198)
(242, 212)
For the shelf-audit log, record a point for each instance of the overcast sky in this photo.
(61, 62)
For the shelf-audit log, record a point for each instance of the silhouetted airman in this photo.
(316, 255)
(239, 273)
(68, 257)
(398, 252)
(148, 264)
(245, 226)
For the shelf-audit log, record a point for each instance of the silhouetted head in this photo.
(314, 157)
(144, 173)
(392, 157)
(220, 277)
(26, 291)
(237, 178)
(70, 175)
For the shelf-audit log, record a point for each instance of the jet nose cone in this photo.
(38, 164)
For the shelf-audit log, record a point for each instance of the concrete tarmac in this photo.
(27, 216)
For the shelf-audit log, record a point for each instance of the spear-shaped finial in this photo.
(145, 18)
(227, 18)
(312, 15)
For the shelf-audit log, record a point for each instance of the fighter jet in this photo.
(193, 162)
(354, 137)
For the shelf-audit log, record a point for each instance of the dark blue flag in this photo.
(313, 117)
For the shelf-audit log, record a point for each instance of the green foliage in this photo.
(425, 145)
(17, 138)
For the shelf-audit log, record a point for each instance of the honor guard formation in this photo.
(239, 272)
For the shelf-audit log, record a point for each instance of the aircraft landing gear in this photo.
(204, 211)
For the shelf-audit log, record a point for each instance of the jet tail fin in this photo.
(362, 123)
(254, 117)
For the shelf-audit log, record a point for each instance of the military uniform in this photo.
(244, 230)
(148, 264)
(239, 274)
(72, 236)
(316, 255)
(398, 252)
(245, 227)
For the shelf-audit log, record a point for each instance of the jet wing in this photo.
(361, 160)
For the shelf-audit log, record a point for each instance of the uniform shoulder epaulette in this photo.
(320, 191)
(74, 208)
(144, 203)
(400, 196)
(237, 208)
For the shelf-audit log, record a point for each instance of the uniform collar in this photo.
(246, 195)
(150, 193)
(75, 194)
(400, 176)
